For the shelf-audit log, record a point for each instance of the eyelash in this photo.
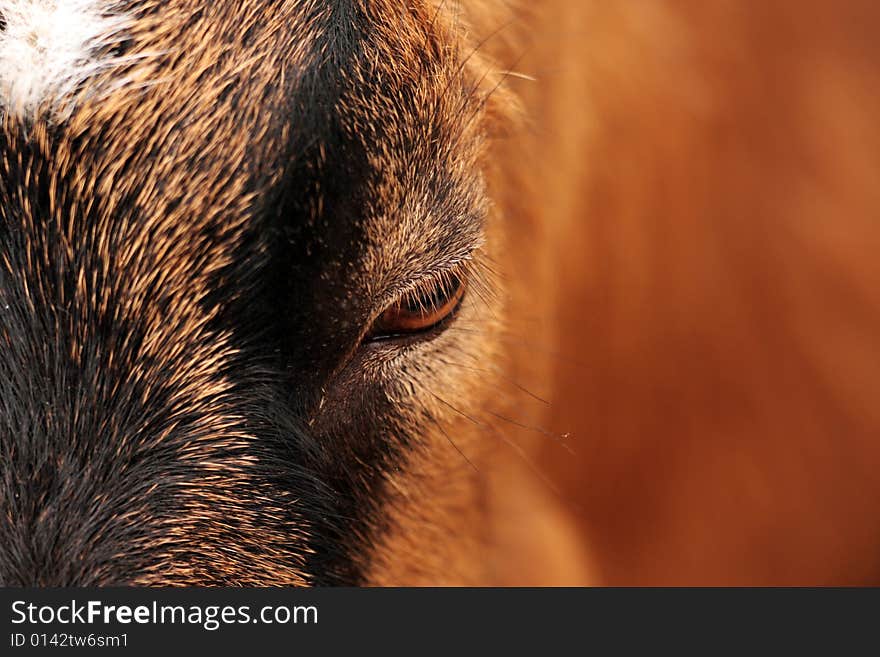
(429, 304)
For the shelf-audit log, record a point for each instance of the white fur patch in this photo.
(49, 48)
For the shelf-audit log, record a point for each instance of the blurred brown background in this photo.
(693, 212)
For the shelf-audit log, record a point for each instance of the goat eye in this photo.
(420, 310)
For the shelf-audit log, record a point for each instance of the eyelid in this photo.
(423, 305)
(463, 267)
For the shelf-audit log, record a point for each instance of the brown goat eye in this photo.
(420, 310)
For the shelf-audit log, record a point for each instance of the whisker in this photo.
(462, 413)
(558, 438)
(518, 341)
(496, 371)
(517, 449)
(451, 442)
(535, 470)
(464, 62)
(440, 6)
(501, 79)
(519, 76)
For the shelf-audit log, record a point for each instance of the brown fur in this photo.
(202, 426)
